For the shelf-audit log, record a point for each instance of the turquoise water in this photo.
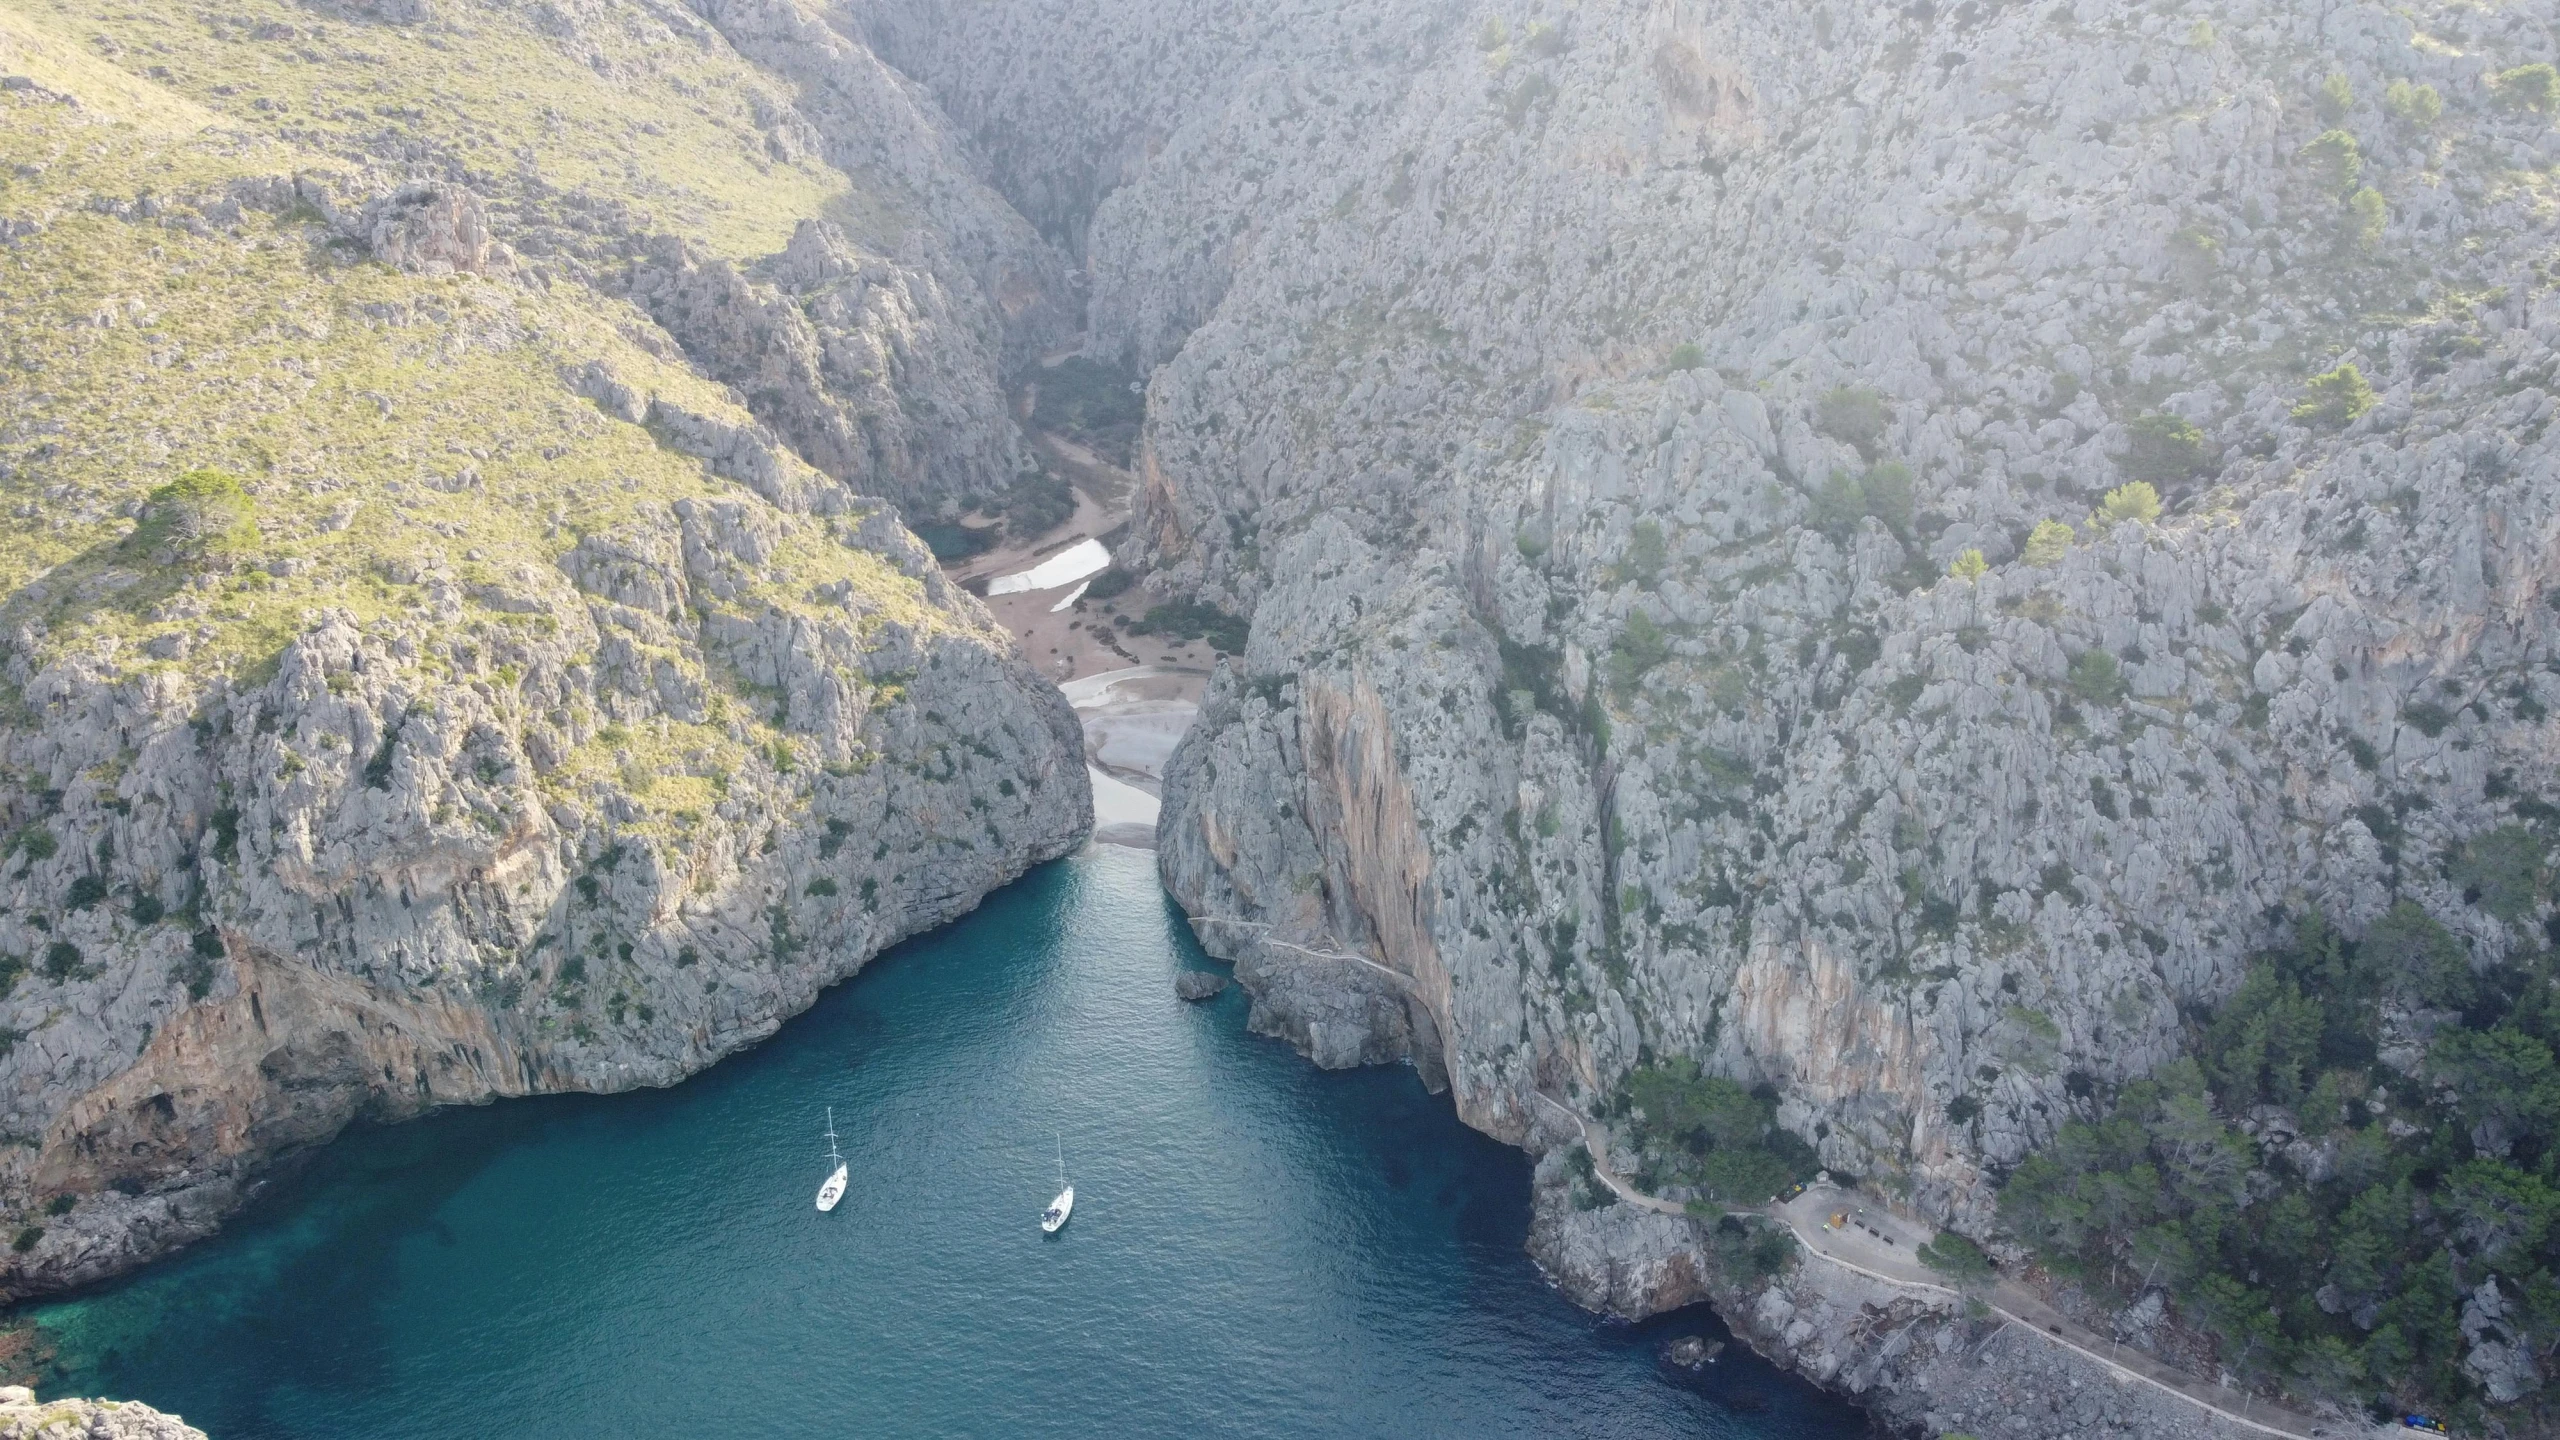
(1258, 1248)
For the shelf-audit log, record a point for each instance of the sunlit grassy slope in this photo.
(658, 116)
(395, 431)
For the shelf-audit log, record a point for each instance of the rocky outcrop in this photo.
(427, 687)
(23, 1417)
(1919, 1362)
(1199, 985)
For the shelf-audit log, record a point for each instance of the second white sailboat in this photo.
(1065, 1205)
(833, 1190)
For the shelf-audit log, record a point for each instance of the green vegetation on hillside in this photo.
(622, 111)
(1710, 1134)
(1092, 404)
(2364, 1140)
(212, 434)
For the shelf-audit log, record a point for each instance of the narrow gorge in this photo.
(1957, 597)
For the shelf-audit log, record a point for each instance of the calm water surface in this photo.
(1258, 1248)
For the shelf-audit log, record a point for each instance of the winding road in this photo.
(1880, 1245)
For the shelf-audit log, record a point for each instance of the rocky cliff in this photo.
(23, 1417)
(456, 641)
(1865, 556)
(1882, 550)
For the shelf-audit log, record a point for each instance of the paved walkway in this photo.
(1398, 976)
(1880, 1245)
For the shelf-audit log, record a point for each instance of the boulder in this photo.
(1199, 984)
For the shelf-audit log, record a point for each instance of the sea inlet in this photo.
(1258, 1249)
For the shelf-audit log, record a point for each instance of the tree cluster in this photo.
(2362, 1138)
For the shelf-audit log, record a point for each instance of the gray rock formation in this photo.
(1919, 1363)
(1199, 985)
(23, 1417)
(1590, 404)
(1671, 455)
(1724, 827)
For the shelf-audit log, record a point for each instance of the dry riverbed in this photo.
(1136, 694)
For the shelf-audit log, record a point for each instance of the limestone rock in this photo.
(433, 229)
(23, 1417)
(1199, 985)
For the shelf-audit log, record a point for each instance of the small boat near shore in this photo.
(833, 1190)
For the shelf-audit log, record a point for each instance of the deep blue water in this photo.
(1258, 1248)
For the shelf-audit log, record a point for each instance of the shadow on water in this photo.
(1260, 1248)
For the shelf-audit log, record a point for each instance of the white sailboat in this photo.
(833, 1190)
(1065, 1205)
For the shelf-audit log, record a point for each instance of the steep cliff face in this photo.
(1592, 425)
(423, 680)
(1679, 461)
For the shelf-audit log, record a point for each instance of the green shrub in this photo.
(1037, 504)
(2534, 88)
(1885, 491)
(1111, 584)
(2418, 960)
(1852, 413)
(1194, 620)
(1956, 1257)
(952, 543)
(2368, 214)
(1710, 1132)
(2163, 449)
(200, 514)
(87, 890)
(2418, 105)
(1838, 505)
(1101, 407)
(60, 1205)
(1754, 1250)
(2096, 678)
(1887, 488)
(27, 1239)
(1968, 567)
(1647, 551)
(2336, 98)
(2502, 871)
(2135, 500)
(2336, 397)
(61, 961)
(147, 909)
(822, 887)
(1687, 356)
(226, 834)
(2048, 543)
(1640, 646)
(37, 842)
(2337, 162)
